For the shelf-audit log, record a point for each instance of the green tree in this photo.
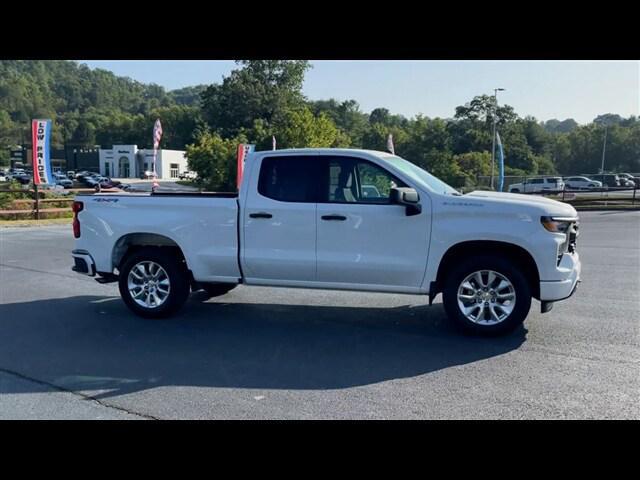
(482, 108)
(261, 89)
(474, 164)
(214, 159)
(301, 129)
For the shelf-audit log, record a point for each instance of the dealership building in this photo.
(127, 161)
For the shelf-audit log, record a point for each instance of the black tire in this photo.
(501, 265)
(178, 275)
(515, 190)
(217, 289)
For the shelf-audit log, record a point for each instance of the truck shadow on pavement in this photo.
(95, 345)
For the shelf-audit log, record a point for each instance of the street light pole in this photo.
(493, 145)
(604, 146)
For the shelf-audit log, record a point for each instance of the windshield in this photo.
(420, 176)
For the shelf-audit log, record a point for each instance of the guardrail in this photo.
(36, 201)
(593, 196)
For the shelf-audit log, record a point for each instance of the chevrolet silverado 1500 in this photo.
(334, 219)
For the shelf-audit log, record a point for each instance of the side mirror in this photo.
(408, 197)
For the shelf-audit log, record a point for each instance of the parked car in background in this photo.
(533, 185)
(23, 178)
(82, 176)
(62, 180)
(147, 175)
(2, 177)
(625, 182)
(187, 175)
(608, 179)
(631, 181)
(581, 183)
(54, 187)
(106, 182)
(90, 180)
(71, 174)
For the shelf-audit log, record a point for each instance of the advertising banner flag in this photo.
(243, 151)
(157, 136)
(41, 141)
(390, 144)
(500, 162)
(273, 142)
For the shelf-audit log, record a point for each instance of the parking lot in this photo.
(69, 348)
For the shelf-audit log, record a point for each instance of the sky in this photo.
(580, 90)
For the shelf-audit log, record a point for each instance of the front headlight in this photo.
(557, 224)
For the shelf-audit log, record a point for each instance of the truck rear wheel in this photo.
(487, 295)
(154, 282)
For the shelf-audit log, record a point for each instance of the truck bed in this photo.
(204, 226)
(164, 194)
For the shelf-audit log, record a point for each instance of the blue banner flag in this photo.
(41, 140)
(501, 162)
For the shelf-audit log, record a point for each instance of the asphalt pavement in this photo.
(69, 348)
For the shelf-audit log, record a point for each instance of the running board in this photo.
(106, 278)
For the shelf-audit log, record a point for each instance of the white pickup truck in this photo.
(302, 219)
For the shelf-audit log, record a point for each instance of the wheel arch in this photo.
(466, 249)
(132, 242)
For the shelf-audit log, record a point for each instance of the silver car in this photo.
(581, 183)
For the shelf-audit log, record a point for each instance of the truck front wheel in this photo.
(154, 282)
(486, 295)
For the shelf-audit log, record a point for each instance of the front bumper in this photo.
(83, 263)
(559, 290)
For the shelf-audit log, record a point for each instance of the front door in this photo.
(363, 239)
(279, 222)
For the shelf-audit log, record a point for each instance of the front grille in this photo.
(573, 237)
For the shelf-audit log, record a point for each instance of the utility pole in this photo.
(604, 147)
(493, 145)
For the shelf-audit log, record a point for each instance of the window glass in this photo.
(537, 180)
(288, 179)
(351, 180)
(420, 176)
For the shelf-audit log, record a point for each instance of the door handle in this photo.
(260, 215)
(334, 217)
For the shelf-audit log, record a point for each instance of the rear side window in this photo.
(288, 179)
(537, 180)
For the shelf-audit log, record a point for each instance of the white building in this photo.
(127, 161)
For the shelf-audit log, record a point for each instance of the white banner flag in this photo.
(390, 144)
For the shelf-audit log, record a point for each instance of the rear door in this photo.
(535, 185)
(279, 221)
(363, 239)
